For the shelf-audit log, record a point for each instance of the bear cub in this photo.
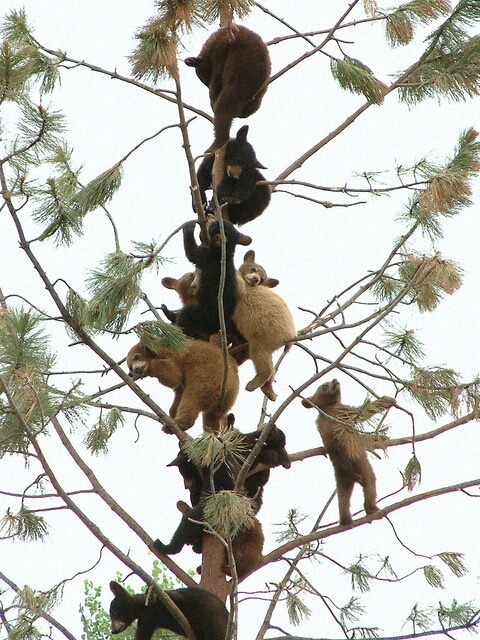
(346, 447)
(195, 375)
(238, 188)
(236, 71)
(206, 613)
(199, 319)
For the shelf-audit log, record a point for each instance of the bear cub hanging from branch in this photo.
(346, 447)
(238, 188)
(200, 319)
(235, 65)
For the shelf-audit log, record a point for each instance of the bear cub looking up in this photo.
(206, 613)
(238, 188)
(346, 447)
(200, 319)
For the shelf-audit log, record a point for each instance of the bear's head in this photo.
(232, 235)
(123, 608)
(138, 361)
(253, 273)
(240, 155)
(186, 286)
(327, 395)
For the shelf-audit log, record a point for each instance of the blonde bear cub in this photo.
(346, 448)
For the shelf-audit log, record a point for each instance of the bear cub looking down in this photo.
(238, 188)
(346, 447)
(236, 71)
(195, 375)
(205, 613)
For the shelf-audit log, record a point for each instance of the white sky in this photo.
(313, 251)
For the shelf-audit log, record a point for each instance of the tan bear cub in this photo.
(196, 377)
(264, 320)
(346, 447)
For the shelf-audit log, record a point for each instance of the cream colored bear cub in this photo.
(263, 319)
(196, 377)
(346, 447)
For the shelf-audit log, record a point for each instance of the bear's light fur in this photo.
(196, 377)
(264, 320)
(346, 447)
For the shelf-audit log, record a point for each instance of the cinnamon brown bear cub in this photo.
(346, 447)
(236, 71)
(205, 613)
(195, 375)
(238, 188)
(247, 545)
(200, 319)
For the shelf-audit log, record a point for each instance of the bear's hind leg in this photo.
(345, 485)
(369, 484)
(262, 361)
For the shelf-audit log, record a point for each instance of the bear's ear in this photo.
(117, 589)
(243, 239)
(169, 283)
(259, 165)
(184, 508)
(249, 256)
(193, 61)
(242, 133)
(272, 282)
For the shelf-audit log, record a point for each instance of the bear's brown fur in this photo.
(262, 320)
(196, 377)
(236, 73)
(247, 545)
(265, 321)
(346, 447)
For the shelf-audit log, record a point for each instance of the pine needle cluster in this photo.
(434, 388)
(25, 525)
(356, 77)
(115, 289)
(155, 57)
(96, 440)
(57, 200)
(158, 335)
(228, 513)
(212, 450)
(400, 24)
(297, 610)
(25, 362)
(450, 67)
(429, 278)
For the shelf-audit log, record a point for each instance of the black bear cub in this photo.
(235, 71)
(206, 613)
(200, 319)
(238, 189)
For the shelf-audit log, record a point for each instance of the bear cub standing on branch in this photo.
(238, 189)
(200, 319)
(235, 70)
(196, 377)
(346, 447)
(205, 613)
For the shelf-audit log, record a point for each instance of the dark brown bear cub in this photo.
(238, 189)
(345, 446)
(236, 73)
(206, 613)
(200, 319)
